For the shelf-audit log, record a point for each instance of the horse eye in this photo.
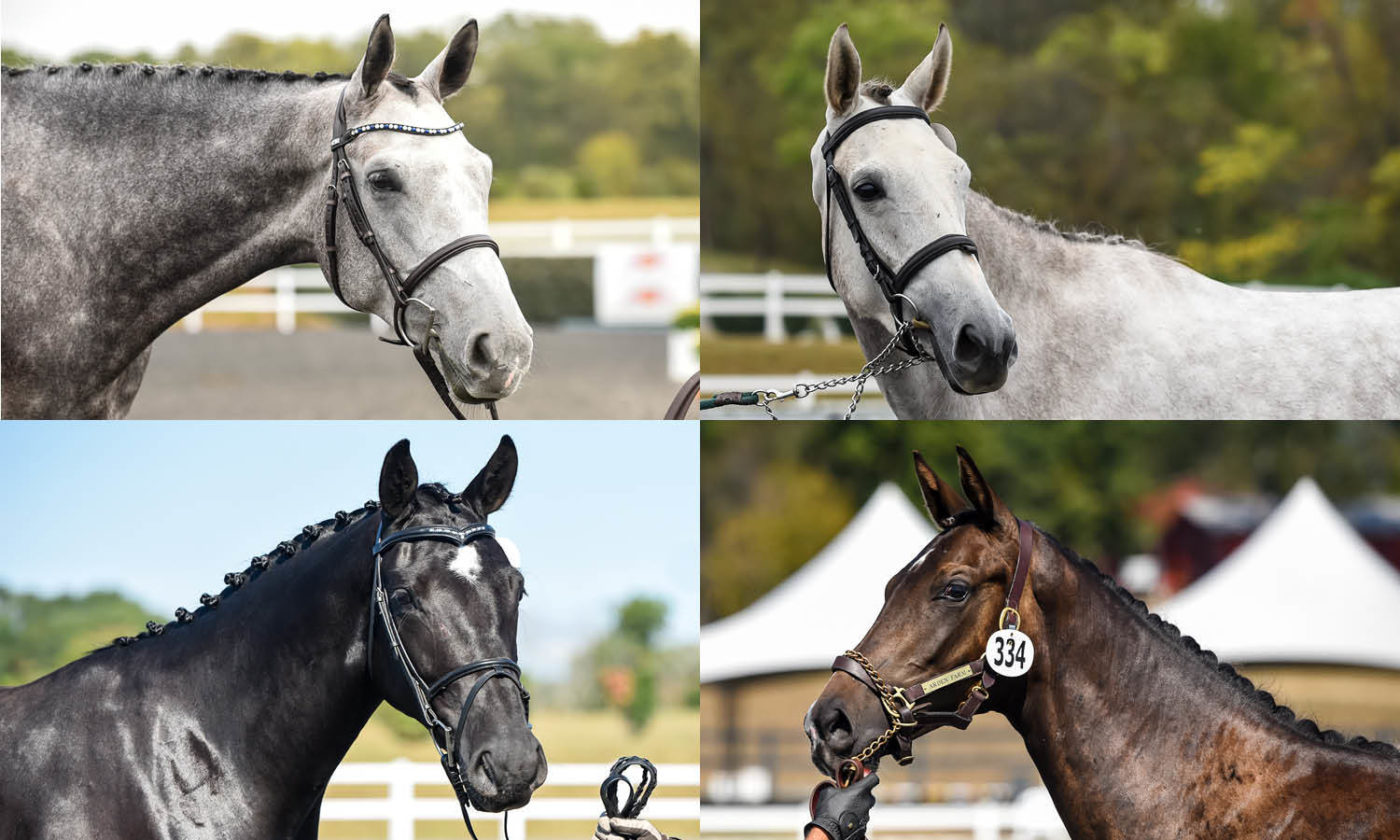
(400, 601)
(955, 591)
(868, 191)
(383, 180)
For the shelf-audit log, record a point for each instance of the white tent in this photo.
(827, 605)
(1303, 588)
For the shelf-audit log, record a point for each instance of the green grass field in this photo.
(547, 209)
(569, 737)
(749, 354)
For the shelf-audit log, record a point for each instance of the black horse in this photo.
(229, 721)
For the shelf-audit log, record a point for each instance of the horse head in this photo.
(907, 188)
(453, 605)
(938, 615)
(419, 193)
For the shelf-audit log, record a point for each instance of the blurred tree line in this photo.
(1255, 139)
(771, 501)
(39, 634)
(562, 111)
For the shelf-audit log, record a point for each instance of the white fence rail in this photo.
(774, 296)
(402, 807)
(1031, 817)
(288, 291)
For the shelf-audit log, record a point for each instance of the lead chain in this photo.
(871, 368)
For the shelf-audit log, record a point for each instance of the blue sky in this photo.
(160, 511)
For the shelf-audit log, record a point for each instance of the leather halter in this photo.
(402, 289)
(891, 282)
(447, 739)
(906, 708)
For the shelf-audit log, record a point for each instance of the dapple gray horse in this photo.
(134, 194)
(1103, 327)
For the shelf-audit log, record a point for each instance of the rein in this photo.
(906, 707)
(447, 740)
(891, 282)
(402, 289)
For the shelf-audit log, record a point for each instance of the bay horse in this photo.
(1097, 327)
(1136, 731)
(134, 194)
(229, 721)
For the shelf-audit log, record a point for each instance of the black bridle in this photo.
(401, 288)
(892, 283)
(447, 739)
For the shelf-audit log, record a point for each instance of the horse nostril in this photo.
(487, 768)
(969, 348)
(479, 352)
(835, 728)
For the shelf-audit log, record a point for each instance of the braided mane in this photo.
(1258, 697)
(168, 71)
(235, 581)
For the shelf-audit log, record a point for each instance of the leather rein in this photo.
(447, 739)
(342, 189)
(891, 282)
(906, 707)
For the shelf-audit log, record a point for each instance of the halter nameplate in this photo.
(942, 680)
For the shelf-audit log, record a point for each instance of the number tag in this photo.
(1010, 653)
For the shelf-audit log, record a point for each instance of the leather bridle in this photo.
(892, 283)
(447, 739)
(907, 708)
(342, 188)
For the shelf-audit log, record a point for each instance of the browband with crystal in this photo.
(406, 129)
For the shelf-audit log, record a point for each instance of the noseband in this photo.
(402, 289)
(892, 283)
(447, 740)
(907, 708)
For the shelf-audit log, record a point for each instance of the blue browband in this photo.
(406, 129)
(447, 533)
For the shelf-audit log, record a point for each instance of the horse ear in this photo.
(447, 73)
(842, 72)
(398, 480)
(942, 501)
(378, 58)
(979, 492)
(929, 81)
(491, 487)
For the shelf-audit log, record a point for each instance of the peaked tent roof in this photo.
(1304, 587)
(827, 605)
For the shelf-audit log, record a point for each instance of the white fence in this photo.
(774, 296)
(401, 808)
(1031, 816)
(288, 291)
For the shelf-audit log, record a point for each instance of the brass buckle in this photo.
(1001, 619)
(980, 690)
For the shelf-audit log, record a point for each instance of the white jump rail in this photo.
(291, 290)
(402, 807)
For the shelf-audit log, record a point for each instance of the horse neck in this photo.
(188, 185)
(276, 675)
(1132, 732)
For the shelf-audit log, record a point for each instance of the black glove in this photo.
(844, 812)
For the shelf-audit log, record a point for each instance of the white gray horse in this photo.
(135, 194)
(1104, 328)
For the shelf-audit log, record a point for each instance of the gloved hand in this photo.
(618, 828)
(844, 812)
